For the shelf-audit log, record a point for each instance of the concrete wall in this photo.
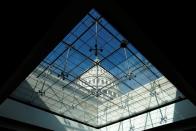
(24, 113)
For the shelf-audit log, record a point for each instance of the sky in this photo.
(74, 55)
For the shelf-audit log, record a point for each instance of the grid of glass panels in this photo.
(133, 84)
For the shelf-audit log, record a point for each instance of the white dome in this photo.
(100, 79)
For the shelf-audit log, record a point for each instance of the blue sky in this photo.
(80, 58)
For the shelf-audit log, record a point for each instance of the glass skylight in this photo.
(96, 76)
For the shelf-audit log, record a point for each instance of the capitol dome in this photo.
(99, 79)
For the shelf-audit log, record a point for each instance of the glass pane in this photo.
(96, 76)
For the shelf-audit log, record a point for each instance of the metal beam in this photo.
(140, 113)
(101, 126)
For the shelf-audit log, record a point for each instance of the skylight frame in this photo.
(103, 58)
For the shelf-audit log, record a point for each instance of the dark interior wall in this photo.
(161, 33)
(168, 26)
(33, 30)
